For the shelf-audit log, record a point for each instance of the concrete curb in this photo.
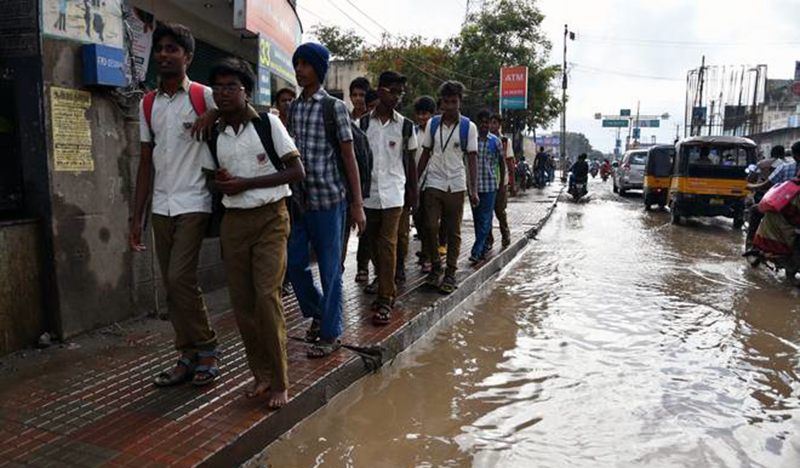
(317, 396)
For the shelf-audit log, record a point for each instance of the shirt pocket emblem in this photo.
(392, 143)
(456, 145)
(262, 159)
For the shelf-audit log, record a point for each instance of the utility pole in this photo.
(697, 128)
(564, 167)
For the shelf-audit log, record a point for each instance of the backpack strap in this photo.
(264, 129)
(363, 123)
(212, 145)
(435, 121)
(408, 130)
(147, 107)
(463, 133)
(329, 119)
(197, 96)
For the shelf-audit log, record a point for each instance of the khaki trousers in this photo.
(178, 240)
(382, 241)
(254, 252)
(447, 208)
(403, 230)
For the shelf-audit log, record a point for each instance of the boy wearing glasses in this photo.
(255, 229)
(170, 170)
(393, 186)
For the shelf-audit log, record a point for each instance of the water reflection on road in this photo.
(617, 340)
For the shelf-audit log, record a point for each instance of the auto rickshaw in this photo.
(657, 175)
(709, 177)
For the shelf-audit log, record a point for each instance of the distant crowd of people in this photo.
(300, 180)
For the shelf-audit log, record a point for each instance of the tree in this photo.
(507, 33)
(343, 44)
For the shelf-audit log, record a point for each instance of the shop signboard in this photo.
(263, 95)
(513, 88)
(274, 18)
(95, 21)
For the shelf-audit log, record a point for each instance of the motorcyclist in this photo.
(579, 172)
(605, 169)
(540, 167)
(758, 179)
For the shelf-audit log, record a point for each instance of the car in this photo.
(630, 173)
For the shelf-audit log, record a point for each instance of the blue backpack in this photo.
(463, 130)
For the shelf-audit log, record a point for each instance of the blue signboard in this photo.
(103, 65)
(513, 103)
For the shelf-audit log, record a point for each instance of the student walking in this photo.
(505, 186)
(424, 109)
(449, 140)
(170, 169)
(257, 160)
(320, 224)
(487, 161)
(394, 186)
(283, 99)
(359, 88)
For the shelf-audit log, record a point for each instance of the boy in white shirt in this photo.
(257, 160)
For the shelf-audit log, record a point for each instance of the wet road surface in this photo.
(616, 340)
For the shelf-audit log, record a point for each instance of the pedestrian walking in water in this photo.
(449, 141)
(359, 88)
(394, 186)
(487, 160)
(170, 169)
(257, 160)
(505, 168)
(321, 222)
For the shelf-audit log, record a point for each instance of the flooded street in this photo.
(616, 340)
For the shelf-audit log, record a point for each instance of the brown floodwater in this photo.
(616, 340)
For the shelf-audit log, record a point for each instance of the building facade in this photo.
(73, 74)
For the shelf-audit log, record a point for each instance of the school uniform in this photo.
(254, 234)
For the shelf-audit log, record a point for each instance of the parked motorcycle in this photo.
(524, 174)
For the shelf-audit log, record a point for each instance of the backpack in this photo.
(196, 97)
(463, 131)
(361, 148)
(264, 129)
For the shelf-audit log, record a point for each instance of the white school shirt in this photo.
(388, 186)
(445, 169)
(243, 155)
(180, 185)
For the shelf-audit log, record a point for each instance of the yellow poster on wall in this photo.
(72, 134)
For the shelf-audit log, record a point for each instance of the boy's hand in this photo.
(135, 237)
(359, 218)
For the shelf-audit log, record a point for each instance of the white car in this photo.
(630, 173)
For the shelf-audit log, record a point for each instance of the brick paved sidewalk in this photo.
(92, 404)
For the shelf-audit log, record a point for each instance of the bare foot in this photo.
(278, 399)
(256, 389)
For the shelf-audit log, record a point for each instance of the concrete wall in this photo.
(341, 73)
(99, 280)
(21, 317)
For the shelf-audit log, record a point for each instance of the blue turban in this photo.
(316, 55)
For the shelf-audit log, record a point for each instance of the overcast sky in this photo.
(625, 51)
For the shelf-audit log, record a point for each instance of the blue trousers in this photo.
(322, 230)
(482, 218)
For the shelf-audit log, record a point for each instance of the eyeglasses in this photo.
(394, 92)
(229, 89)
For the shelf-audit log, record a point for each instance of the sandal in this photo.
(323, 348)
(448, 285)
(433, 278)
(312, 334)
(362, 276)
(372, 288)
(204, 374)
(170, 377)
(383, 315)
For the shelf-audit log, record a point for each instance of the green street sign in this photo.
(625, 112)
(615, 123)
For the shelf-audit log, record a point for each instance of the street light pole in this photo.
(564, 110)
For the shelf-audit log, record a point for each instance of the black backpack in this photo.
(264, 129)
(361, 148)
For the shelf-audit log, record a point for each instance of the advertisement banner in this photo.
(90, 21)
(72, 133)
(513, 88)
(142, 26)
(274, 18)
